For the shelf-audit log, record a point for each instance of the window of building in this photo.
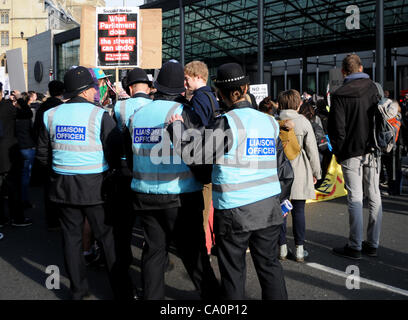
(67, 56)
(4, 38)
(4, 17)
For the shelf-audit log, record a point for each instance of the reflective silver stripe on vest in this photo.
(122, 112)
(162, 176)
(240, 129)
(250, 164)
(50, 118)
(273, 124)
(239, 161)
(133, 115)
(90, 167)
(171, 112)
(76, 148)
(244, 185)
(93, 146)
(92, 126)
(141, 152)
(146, 152)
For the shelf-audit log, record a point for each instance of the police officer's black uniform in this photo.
(79, 195)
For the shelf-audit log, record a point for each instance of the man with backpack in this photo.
(206, 106)
(351, 122)
(204, 101)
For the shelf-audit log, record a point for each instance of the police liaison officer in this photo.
(166, 194)
(118, 188)
(138, 85)
(81, 141)
(246, 187)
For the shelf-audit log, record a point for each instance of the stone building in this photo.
(22, 19)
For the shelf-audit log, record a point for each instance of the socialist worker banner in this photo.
(117, 37)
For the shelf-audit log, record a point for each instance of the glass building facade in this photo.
(67, 56)
(219, 31)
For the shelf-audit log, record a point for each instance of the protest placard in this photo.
(117, 37)
(260, 91)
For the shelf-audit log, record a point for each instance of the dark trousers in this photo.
(122, 233)
(182, 227)
(72, 221)
(41, 177)
(392, 164)
(121, 216)
(298, 224)
(263, 244)
(10, 186)
(51, 208)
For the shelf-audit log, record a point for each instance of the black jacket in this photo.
(24, 125)
(82, 189)
(202, 105)
(8, 139)
(51, 102)
(351, 118)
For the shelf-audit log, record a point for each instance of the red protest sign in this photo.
(117, 37)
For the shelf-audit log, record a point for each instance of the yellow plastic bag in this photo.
(333, 184)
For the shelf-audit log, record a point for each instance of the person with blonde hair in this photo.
(205, 105)
(204, 101)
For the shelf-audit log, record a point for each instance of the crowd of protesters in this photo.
(94, 190)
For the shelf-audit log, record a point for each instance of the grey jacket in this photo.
(307, 164)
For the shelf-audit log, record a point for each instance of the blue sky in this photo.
(119, 3)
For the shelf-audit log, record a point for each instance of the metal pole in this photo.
(286, 75)
(317, 75)
(117, 82)
(374, 65)
(182, 42)
(335, 61)
(275, 89)
(395, 73)
(271, 82)
(379, 16)
(304, 70)
(260, 42)
(301, 76)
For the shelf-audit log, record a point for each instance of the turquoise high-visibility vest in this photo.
(157, 168)
(248, 172)
(124, 109)
(75, 130)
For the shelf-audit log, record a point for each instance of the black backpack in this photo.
(215, 113)
(321, 138)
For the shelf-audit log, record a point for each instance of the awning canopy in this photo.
(217, 31)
